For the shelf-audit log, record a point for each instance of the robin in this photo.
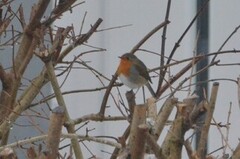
(133, 72)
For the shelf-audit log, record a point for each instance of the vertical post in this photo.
(202, 48)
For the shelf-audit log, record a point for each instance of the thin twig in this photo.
(146, 37)
(161, 73)
(225, 42)
(70, 136)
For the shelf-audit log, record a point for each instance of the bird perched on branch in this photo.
(133, 72)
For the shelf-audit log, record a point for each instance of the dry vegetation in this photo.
(140, 137)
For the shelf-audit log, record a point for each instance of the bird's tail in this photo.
(151, 90)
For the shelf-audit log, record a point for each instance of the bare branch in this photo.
(161, 72)
(61, 102)
(204, 133)
(139, 117)
(146, 37)
(54, 131)
(163, 115)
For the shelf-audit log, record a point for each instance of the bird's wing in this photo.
(142, 69)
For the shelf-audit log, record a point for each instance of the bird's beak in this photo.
(120, 57)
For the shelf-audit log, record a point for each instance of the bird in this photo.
(133, 72)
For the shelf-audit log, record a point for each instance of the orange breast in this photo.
(124, 67)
